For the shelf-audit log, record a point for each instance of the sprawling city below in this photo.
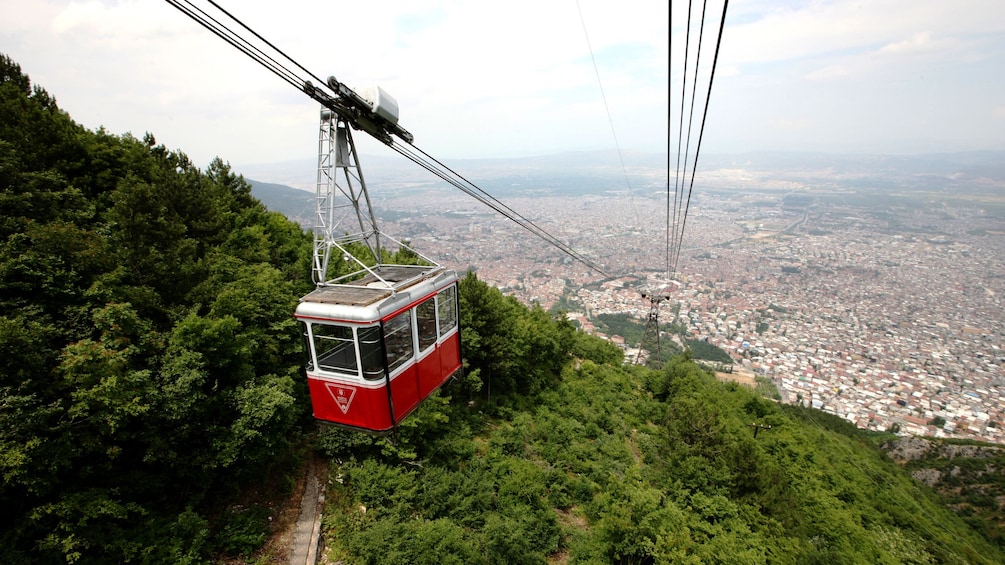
(869, 289)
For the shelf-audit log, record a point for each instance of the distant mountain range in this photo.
(972, 164)
(295, 204)
(605, 172)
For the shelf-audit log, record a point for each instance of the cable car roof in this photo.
(375, 296)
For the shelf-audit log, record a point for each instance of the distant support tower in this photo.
(653, 326)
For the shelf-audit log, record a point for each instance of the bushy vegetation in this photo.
(148, 356)
(701, 349)
(624, 325)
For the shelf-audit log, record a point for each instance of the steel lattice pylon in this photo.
(341, 197)
(653, 326)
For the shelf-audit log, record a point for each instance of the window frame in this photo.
(442, 302)
(371, 350)
(426, 340)
(349, 346)
(395, 355)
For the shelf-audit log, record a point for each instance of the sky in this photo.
(476, 79)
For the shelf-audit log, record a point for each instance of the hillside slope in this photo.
(297, 205)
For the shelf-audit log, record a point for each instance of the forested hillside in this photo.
(148, 357)
(150, 375)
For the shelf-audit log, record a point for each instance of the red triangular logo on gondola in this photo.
(342, 394)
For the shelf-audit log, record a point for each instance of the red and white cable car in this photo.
(381, 345)
(384, 337)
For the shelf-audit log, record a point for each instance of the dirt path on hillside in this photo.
(739, 375)
(306, 541)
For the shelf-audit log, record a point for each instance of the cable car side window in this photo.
(370, 354)
(334, 348)
(398, 340)
(307, 346)
(446, 303)
(425, 316)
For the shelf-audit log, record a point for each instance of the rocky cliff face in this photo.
(969, 477)
(905, 449)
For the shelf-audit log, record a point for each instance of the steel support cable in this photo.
(267, 42)
(607, 109)
(708, 97)
(444, 172)
(669, 136)
(223, 32)
(668, 204)
(690, 121)
(678, 188)
(257, 53)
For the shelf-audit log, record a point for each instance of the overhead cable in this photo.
(682, 202)
(607, 109)
(444, 172)
(678, 205)
(701, 131)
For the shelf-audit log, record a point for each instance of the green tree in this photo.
(516, 351)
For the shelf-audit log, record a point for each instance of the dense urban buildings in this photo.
(884, 307)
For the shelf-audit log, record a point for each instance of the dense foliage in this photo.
(701, 349)
(148, 356)
(607, 463)
(624, 325)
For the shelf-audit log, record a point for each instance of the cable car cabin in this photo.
(377, 347)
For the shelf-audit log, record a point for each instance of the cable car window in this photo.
(425, 316)
(334, 348)
(447, 305)
(370, 354)
(398, 340)
(307, 347)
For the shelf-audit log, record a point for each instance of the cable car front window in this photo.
(334, 348)
(446, 302)
(398, 340)
(425, 315)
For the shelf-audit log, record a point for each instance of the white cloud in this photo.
(770, 32)
(99, 19)
(792, 124)
(830, 72)
(920, 43)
